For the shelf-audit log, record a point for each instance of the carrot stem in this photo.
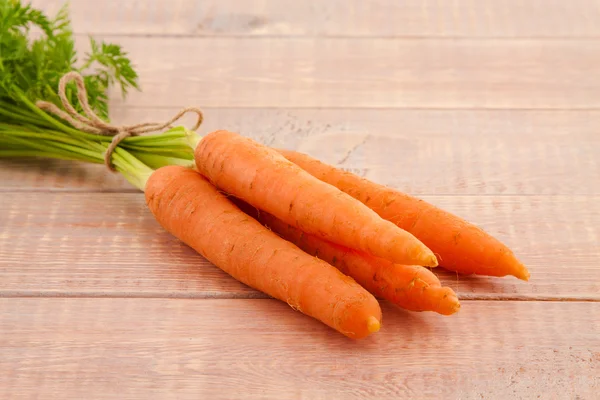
(193, 139)
(46, 117)
(58, 145)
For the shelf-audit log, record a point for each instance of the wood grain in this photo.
(187, 349)
(487, 108)
(423, 152)
(108, 244)
(305, 72)
(367, 18)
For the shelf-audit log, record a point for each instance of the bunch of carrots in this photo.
(323, 240)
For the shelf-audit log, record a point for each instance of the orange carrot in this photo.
(411, 287)
(460, 245)
(265, 179)
(194, 211)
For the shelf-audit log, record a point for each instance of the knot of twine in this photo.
(91, 123)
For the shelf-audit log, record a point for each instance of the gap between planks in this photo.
(135, 191)
(123, 106)
(261, 296)
(337, 37)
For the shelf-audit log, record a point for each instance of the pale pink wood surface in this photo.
(260, 349)
(487, 108)
(108, 244)
(367, 18)
(422, 152)
(391, 73)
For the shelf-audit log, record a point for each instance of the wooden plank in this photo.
(464, 152)
(226, 349)
(367, 18)
(275, 72)
(108, 244)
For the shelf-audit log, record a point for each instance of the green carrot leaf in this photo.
(33, 64)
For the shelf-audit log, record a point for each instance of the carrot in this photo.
(265, 179)
(194, 211)
(460, 245)
(411, 287)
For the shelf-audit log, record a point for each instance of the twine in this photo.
(91, 123)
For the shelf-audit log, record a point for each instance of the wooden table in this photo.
(488, 108)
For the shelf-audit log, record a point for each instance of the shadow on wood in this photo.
(34, 174)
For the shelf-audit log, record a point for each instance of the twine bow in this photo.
(91, 123)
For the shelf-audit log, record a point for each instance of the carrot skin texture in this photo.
(411, 287)
(459, 245)
(265, 179)
(194, 211)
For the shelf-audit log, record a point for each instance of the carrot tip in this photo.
(456, 306)
(373, 324)
(524, 274)
(521, 271)
(450, 305)
(432, 261)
